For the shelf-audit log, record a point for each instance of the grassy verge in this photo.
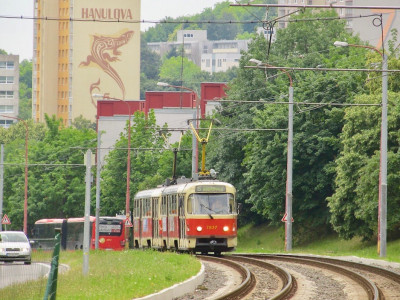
(266, 239)
(112, 275)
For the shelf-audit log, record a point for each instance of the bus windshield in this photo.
(214, 204)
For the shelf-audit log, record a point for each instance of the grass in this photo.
(112, 275)
(130, 274)
(267, 239)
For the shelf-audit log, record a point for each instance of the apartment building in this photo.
(368, 28)
(210, 56)
(9, 89)
(75, 57)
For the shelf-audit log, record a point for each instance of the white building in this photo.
(210, 56)
(367, 27)
(9, 89)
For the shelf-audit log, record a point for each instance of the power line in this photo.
(317, 6)
(172, 21)
(302, 103)
(321, 69)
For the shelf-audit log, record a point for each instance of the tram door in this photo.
(137, 224)
(182, 221)
(164, 221)
(154, 214)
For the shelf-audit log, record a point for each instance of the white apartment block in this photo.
(210, 56)
(366, 27)
(9, 89)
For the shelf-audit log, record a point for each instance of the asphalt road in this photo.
(17, 272)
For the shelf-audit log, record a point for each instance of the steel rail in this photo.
(289, 283)
(372, 269)
(372, 291)
(244, 288)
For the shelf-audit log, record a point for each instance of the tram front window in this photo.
(215, 204)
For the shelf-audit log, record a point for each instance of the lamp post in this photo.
(128, 169)
(289, 168)
(26, 172)
(195, 152)
(382, 202)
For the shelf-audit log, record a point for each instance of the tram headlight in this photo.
(226, 228)
(199, 228)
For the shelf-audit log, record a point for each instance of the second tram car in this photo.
(198, 216)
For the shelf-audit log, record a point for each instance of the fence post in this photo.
(51, 288)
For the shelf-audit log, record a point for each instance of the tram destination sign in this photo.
(210, 189)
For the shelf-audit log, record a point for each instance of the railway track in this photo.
(342, 279)
(249, 279)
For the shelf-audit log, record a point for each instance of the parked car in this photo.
(15, 246)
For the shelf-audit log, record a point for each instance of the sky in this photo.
(16, 35)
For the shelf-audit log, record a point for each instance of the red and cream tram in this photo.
(198, 216)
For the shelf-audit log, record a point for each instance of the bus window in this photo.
(110, 227)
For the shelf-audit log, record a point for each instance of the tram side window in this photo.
(137, 208)
(172, 207)
(146, 207)
(164, 206)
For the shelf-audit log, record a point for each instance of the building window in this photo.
(7, 79)
(219, 63)
(5, 123)
(6, 109)
(6, 94)
(9, 65)
(207, 63)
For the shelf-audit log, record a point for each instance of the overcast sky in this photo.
(16, 36)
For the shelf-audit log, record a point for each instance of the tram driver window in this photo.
(211, 204)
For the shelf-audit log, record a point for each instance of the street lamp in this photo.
(382, 205)
(128, 168)
(26, 171)
(195, 153)
(289, 168)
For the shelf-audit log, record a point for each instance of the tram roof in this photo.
(179, 188)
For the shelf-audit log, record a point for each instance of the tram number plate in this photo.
(213, 227)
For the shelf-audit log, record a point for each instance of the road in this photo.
(16, 272)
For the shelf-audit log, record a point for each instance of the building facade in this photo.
(75, 57)
(9, 89)
(170, 107)
(368, 28)
(210, 56)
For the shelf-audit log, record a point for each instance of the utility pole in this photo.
(86, 228)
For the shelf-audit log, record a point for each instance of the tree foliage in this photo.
(56, 185)
(25, 90)
(144, 163)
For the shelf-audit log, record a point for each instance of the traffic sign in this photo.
(5, 220)
(284, 219)
(128, 223)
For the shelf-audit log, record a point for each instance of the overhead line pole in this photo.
(289, 167)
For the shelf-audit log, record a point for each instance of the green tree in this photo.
(171, 72)
(56, 183)
(25, 90)
(144, 163)
(354, 205)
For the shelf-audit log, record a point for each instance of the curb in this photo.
(179, 289)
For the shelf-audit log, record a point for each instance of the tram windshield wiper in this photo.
(206, 207)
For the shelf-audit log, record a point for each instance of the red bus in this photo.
(111, 233)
